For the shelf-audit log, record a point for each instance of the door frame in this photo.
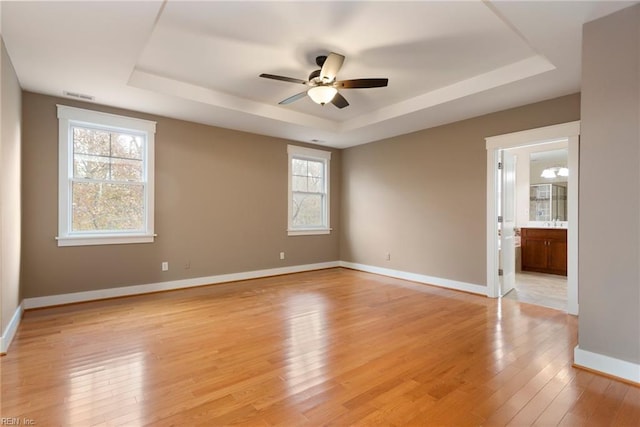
(569, 132)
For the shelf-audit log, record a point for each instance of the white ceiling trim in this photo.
(172, 87)
(504, 75)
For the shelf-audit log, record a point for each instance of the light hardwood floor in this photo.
(332, 347)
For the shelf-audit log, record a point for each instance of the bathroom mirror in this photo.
(548, 176)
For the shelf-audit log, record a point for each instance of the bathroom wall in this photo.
(523, 180)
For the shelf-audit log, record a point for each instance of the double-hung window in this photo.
(105, 185)
(308, 191)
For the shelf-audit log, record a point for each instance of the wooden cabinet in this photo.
(544, 250)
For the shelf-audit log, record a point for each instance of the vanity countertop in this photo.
(547, 224)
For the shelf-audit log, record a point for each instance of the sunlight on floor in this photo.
(307, 346)
(98, 383)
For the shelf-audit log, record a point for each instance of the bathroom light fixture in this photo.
(554, 172)
(322, 94)
(548, 173)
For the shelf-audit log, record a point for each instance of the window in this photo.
(105, 193)
(308, 191)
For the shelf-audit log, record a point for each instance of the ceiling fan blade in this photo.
(339, 101)
(361, 83)
(293, 98)
(331, 66)
(284, 79)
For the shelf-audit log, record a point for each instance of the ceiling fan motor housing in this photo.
(314, 75)
(320, 60)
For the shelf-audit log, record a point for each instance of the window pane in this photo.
(316, 169)
(299, 183)
(126, 170)
(299, 167)
(316, 185)
(307, 210)
(90, 141)
(104, 207)
(90, 167)
(126, 146)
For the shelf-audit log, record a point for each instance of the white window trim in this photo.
(68, 116)
(310, 154)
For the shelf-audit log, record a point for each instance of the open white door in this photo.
(507, 234)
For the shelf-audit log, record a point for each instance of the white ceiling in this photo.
(552, 156)
(200, 60)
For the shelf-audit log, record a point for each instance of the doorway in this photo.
(498, 233)
(533, 209)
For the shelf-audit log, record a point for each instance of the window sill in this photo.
(309, 232)
(95, 240)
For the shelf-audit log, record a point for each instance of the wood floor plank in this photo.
(532, 410)
(587, 403)
(561, 404)
(330, 347)
(629, 412)
(609, 404)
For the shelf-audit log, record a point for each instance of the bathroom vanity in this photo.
(544, 250)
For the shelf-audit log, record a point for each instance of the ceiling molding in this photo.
(200, 61)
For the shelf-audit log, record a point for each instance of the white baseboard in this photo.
(11, 329)
(420, 278)
(52, 300)
(607, 365)
(48, 301)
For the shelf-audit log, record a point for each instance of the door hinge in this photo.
(500, 219)
(499, 165)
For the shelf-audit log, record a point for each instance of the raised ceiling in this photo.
(200, 61)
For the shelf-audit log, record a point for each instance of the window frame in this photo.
(72, 116)
(304, 153)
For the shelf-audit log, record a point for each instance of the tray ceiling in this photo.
(200, 61)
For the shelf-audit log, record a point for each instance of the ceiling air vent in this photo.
(79, 95)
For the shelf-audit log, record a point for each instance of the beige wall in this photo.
(221, 205)
(609, 238)
(422, 196)
(9, 192)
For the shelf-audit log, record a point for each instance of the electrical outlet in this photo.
(281, 255)
(187, 265)
(165, 266)
(388, 256)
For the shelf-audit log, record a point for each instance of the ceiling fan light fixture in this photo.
(322, 83)
(322, 94)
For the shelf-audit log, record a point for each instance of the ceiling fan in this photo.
(322, 83)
